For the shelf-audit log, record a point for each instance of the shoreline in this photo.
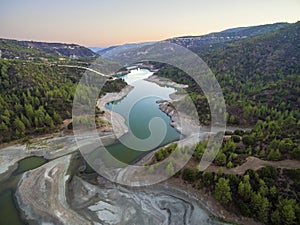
(209, 203)
(206, 200)
(51, 178)
(109, 97)
(119, 120)
(182, 123)
(55, 145)
(165, 82)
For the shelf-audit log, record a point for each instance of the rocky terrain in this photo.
(47, 203)
(62, 197)
(106, 203)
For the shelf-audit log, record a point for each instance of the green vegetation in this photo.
(164, 152)
(222, 191)
(256, 80)
(43, 52)
(258, 142)
(261, 195)
(261, 90)
(260, 80)
(36, 98)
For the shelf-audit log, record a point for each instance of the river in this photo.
(138, 108)
(138, 117)
(145, 94)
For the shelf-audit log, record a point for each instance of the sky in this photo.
(102, 23)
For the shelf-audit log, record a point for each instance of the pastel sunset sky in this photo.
(110, 22)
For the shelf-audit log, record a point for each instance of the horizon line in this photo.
(141, 41)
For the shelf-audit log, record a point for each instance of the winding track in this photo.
(256, 164)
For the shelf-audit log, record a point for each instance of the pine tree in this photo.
(19, 125)
(170, 169)
(260, 207)
(222, 191)
(3, 127)
(220, 159)
(245, 189)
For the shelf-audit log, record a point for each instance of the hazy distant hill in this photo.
(11, 49)
(95, 49)
(203, 43)
(218, 39)
(119, 49)
(107, 49)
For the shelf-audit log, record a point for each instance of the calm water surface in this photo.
(139, 107)
(9, 214)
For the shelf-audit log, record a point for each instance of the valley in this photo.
(254, 178)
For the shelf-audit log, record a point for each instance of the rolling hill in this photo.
(215, 40)
(13, 49)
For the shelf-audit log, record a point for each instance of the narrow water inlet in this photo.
(9, 212)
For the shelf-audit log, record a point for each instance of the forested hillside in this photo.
(31, 50)
(260, 79)
(35, 98)
(212, 41)
(259, 75)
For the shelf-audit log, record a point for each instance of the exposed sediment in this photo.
(107, 203)
(119, 127)
(41, 194)
(165, 82)
(48, 148)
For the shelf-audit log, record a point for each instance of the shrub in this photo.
(189, 175)
(248, 140)
(236, 138)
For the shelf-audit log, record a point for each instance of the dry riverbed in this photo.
(41, 194)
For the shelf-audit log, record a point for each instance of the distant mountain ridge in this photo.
(107, 49)
(95, 49)
(118, 49)
(202, 43)
(11, 49)
(273, 52)
(216, 39)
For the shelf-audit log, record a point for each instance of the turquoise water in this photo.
(144, 95)
(139, 107)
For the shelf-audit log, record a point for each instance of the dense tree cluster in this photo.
(262, 91)
(259, 142)
(261, 195)
(164, 152)
(35, 98)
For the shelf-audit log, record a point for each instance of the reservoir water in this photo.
(145, 94)
(145, 108)
(138, 108)
(8, 210)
